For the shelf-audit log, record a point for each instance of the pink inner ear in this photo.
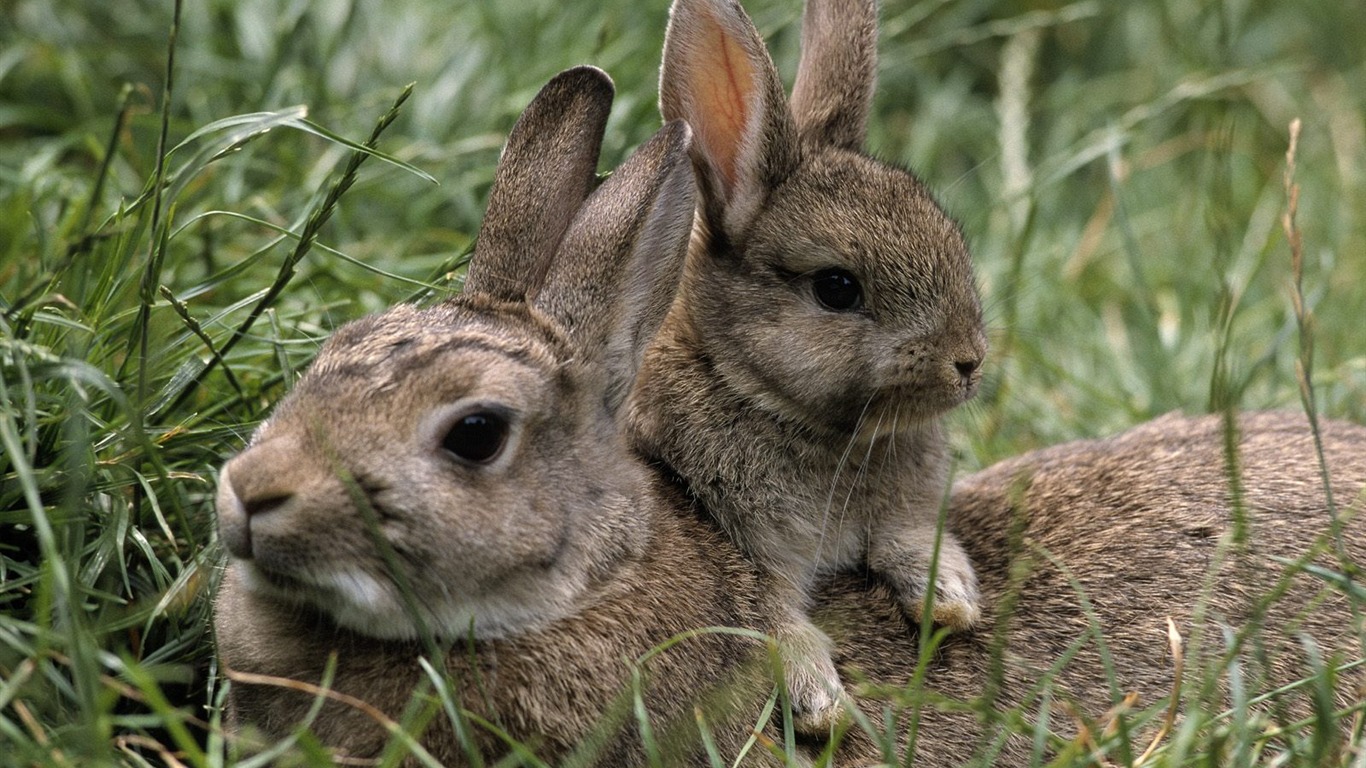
(722, 82)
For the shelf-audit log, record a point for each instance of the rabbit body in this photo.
(828, 316)
(1111, 537)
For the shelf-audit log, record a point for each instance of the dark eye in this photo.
(478, 437)
(837, 290)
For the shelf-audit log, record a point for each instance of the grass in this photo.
(178, 234)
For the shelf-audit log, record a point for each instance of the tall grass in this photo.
(184, 216)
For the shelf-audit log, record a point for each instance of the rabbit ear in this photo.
(615, 272)
(718, 76)
(834, 88)
(543, 176)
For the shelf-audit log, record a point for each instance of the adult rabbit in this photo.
(454, 476)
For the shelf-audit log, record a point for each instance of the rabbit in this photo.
(827, 318)
(474, 443)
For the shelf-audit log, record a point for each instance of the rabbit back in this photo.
(1113, 537)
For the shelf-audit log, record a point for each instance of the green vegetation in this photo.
(173, 249)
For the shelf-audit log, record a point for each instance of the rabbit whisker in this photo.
(863, 465)
(834, 481)
(889, 455)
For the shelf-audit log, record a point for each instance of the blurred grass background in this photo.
(1117, 167)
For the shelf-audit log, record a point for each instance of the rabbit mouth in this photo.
(349, 598)
(278, 584)
(912, 404)
(330, 592)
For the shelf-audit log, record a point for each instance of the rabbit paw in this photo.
(956, 603)
(813, 683)
(815, 703)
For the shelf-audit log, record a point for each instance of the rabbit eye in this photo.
(478, 437)
(837, 290)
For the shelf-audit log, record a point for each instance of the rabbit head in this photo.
(805, 243)
(456, 469)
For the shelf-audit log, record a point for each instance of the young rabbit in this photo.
(828, 316)
(455, 474)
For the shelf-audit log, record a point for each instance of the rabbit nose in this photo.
(234, 523)
(251, 485)
(248, 508)
(254, 507)
(967, 367)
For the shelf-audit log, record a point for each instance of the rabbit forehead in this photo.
(845, 210)
(852, 204)
(410, 359)
(406, 337)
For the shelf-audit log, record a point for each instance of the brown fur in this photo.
(1136, 520)
(353, 525)
(551, 688)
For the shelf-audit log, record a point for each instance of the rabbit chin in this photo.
(884, 409)
(890, 423)
(358, 601)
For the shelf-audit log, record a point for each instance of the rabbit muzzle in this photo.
(930, 376)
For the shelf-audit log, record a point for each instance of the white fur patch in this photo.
(364, 603)
(362, 590)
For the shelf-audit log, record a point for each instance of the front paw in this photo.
(813, 684)
(957, 604)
